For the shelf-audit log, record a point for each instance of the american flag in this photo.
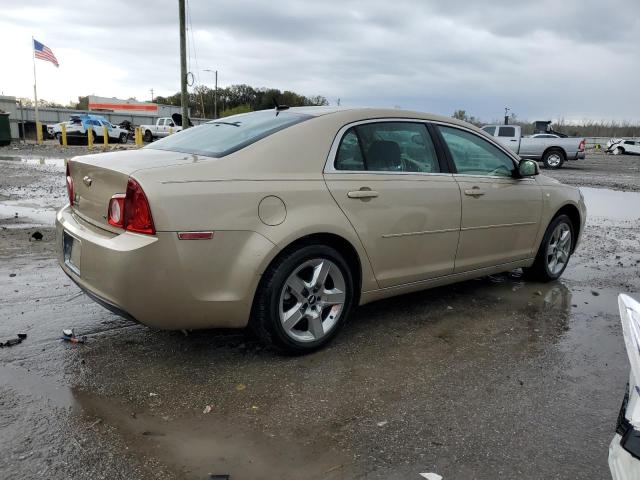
(43, 52)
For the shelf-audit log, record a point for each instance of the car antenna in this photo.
(278, 107)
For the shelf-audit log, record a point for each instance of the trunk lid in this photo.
(96, 178)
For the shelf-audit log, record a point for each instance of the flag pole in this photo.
(35, 92)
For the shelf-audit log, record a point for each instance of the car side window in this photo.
(388, 147)
(473, 155)
(506, 132)
(490, 130)
(161, 122)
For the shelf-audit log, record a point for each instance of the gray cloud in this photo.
(543, 59)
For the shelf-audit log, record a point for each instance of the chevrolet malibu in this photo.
(285, 220)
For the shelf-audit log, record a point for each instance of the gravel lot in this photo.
(492, 378)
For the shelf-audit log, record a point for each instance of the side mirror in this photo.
(528, 168)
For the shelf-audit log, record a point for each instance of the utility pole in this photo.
(184, 99)
(151, 95)
(215, 92)
(506, 115)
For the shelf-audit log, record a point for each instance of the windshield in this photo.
(224, 136)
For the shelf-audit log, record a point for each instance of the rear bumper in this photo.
(165, 282)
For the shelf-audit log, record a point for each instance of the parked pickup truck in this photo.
(164, 126)
(553, 152)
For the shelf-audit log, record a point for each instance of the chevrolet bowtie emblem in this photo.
(87, 180)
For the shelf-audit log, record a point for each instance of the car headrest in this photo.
(384, 155)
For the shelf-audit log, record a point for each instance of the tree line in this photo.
(239, 99)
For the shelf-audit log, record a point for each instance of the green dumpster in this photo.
(5, 130)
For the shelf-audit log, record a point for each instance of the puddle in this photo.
(27, 216)
(611, 204)
(54, 162)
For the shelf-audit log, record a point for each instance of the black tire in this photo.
(148, 137)
(124, 137)
(540, 269)
(553, 159)
(265, 317)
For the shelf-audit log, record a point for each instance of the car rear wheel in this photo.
(123, 137)
(148, 137)
(553, 159)
(618, 151)
(554, 252)
(303, 300)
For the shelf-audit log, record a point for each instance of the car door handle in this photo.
(513, 140)
(362, 194)
(474, 192)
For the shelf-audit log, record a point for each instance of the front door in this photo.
(500, 213)
(387, 179)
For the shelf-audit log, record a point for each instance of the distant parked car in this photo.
(553, 152)
(285, 220)
(164, 126)
(618, 146)
(78, 125)
(624, 451)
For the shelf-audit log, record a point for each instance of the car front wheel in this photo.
(148, 137)
(303, 300)
(123, 137)
(554, 252)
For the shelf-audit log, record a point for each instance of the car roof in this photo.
(358, 113)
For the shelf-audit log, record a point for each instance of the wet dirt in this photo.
(492, 378)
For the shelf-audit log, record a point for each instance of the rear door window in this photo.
(388, 147)
(490, 130)
(506, 132)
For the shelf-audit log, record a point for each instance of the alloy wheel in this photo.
(559, 249)
(312, 300)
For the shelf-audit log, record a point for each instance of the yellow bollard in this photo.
(90, 137)
(39, 133)
(138, 136)
(105, 136)
(64, 135)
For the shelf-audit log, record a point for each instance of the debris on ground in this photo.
(12, 274)
(594, 293)
(207, 409)
(69, 335)
(431, 476)
(37, 236)
(382, 424)
(240, 387)
(14, 341)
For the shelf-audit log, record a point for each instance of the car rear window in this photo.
(230, 134)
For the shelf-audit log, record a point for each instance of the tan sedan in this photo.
(287, 219)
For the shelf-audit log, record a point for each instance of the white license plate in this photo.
(71, 249)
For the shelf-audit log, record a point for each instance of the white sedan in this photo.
(618, 146)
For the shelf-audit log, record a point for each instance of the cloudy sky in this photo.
(545, 59)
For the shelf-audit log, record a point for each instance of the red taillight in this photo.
(581, 146)
(70, 189)
(131, 211)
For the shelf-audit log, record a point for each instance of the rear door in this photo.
(508, 136)
(404, 205)
(500, 213)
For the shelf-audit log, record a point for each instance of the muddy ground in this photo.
(492, 378)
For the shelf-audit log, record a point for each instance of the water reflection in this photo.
(612, 204)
